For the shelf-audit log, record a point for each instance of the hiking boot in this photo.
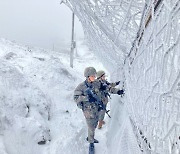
(95, 141)
(91, 147)
(100, 124)
(103, 122)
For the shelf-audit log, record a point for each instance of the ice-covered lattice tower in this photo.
(139, 42)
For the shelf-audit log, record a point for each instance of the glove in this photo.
(117, 83)
(107, 83)
(80, 105)
(91, 99)
(120, 92)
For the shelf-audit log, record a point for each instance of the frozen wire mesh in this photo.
(139, 41)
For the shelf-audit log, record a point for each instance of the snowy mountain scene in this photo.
(37, 103)
(90, 77)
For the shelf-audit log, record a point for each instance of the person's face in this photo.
(103, 77)
(92, 78)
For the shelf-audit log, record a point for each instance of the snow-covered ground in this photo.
(37, 104)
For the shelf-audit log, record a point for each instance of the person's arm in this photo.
(79, 96)
(113, 84)
(114, 90)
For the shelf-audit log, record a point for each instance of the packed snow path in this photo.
(37, 96)
(26, 122)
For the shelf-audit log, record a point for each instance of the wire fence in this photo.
(139, 41)
(152, 74)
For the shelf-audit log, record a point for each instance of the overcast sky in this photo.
(39, 23)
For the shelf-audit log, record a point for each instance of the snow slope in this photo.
(37, 104)
(36, 99)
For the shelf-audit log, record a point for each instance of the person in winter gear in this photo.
(101, 74)
(105, 89)
(86, 102)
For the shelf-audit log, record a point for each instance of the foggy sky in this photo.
(40, 23)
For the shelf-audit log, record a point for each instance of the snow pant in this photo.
(102, 114)
(91, 114)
